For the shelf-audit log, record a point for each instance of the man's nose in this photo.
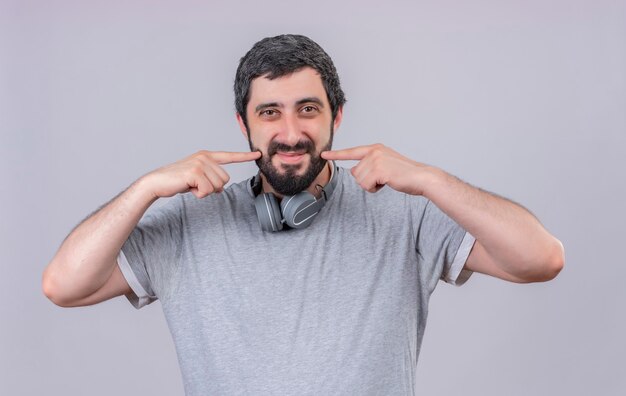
(291, 132)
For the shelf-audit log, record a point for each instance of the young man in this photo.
(271, 290)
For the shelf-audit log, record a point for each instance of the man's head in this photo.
(289, 102)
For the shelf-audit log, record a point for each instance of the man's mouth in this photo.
(290, 156)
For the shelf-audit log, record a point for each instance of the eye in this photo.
(309, 109)
(268, 113)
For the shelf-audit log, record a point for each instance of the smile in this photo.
(290, 157)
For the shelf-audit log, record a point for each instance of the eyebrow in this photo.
(311, 99)
(266, 105)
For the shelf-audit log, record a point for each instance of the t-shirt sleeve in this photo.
(149, 258)
(443, 245)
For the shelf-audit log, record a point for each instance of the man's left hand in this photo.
(379, 166)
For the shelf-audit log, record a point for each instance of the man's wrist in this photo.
(433, 181)
(141, 192)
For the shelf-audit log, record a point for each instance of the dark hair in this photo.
(278, 56)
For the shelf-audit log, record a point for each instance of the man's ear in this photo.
(242, 126)
(338, 118)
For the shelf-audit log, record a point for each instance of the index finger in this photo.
(228, 157)
(354, 153)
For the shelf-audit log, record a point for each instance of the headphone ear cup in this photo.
(299, 210)
(268, 212)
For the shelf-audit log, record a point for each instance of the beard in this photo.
(289, 182)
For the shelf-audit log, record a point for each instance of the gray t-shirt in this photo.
(338, 308)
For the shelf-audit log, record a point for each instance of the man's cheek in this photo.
(259, 148)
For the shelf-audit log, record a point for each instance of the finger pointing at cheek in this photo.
(379, 165)
(354, 153)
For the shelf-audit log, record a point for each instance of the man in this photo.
(336, 302)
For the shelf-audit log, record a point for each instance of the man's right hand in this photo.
(200, 173)
(84, 271)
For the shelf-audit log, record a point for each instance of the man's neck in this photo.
(322, 179)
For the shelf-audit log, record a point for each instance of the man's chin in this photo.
(289, 179)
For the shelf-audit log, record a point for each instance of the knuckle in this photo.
(203, 191)
(197, 170)
(378, 149)
(216, 185)
(203, 156)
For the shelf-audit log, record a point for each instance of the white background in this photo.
(523, 98)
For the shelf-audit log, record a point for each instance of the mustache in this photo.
(303, 145)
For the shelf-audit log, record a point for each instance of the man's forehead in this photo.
(290, 88)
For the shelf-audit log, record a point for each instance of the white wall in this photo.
(524, 98)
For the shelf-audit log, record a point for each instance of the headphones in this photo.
(296, 211)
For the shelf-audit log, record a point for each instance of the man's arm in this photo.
(511, 243)
(84, 270)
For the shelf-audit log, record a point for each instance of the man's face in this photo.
(290, 123)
